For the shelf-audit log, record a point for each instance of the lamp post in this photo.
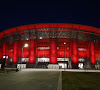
(25, 45)
(64, 55)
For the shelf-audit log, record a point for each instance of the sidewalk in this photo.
(71, 70)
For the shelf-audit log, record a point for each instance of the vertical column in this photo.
(4, 49)
(92, 52)
(74, 56)
(87, 50)
(32, 53)
(87, 59)
(0, 52)
(19, 49)
(70, 47)
(15, 52)
(7, 49)
(3, 62)
(53, 51)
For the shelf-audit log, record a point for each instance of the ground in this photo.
(29, 80)
(47, 79)
(80, 80)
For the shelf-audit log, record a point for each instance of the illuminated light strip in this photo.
(43, 47)
(81, 49)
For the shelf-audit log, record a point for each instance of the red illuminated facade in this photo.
(82, 44)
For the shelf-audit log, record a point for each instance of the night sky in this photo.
(85, 12)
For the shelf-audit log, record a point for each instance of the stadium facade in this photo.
(66, 45)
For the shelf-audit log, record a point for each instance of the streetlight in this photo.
(64, 55)
(25, 45)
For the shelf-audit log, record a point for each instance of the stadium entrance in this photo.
(63, 62)
(42, 62)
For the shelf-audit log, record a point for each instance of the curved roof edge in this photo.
(51, 25)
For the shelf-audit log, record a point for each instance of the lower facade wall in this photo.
(53, 49)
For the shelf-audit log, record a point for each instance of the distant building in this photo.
(68, 45)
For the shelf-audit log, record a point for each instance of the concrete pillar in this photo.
(4, 49)
(32, 53)
(74, 54)
(53, 51)
(15, 54)
(87, 64)
(69, 62)
(92, 52)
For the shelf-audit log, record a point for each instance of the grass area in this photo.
(80, 80)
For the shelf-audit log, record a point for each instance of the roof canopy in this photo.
(52, 25)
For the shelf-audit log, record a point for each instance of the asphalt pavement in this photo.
(29, 80)
(35, 79)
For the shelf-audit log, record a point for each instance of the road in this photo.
(29, 80)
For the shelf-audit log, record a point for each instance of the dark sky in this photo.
(12, 14)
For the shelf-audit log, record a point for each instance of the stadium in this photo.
(41, 45)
